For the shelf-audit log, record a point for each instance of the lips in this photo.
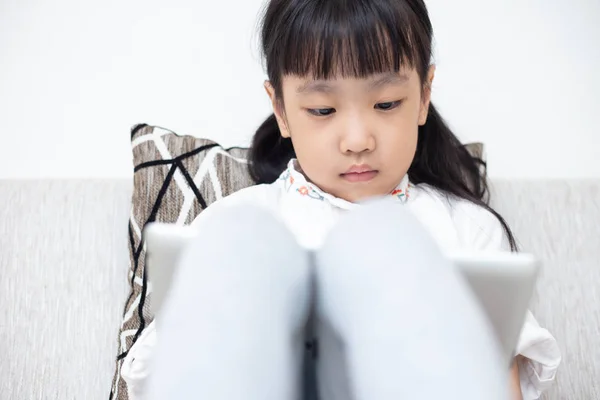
(359, 169)
(360, 173)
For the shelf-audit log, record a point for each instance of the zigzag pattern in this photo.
(175, 178)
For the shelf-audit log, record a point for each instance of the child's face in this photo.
(366, 126)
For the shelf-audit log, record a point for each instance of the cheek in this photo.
(404, 126)
(300, 128)
(306, 130)
(309, 140)
(400, 139)
(408, 123)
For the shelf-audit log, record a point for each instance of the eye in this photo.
(321, 112)
(390, 105)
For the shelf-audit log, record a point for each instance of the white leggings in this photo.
(391, 317)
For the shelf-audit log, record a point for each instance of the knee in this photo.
(379, 222)
(379, 234)
(241, 229)
(250, 240)
(236, 222)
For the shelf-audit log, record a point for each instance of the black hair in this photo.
(358, 38)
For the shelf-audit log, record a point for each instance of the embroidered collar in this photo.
(295, 182)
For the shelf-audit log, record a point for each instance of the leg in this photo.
(406, 322)
(233, 327)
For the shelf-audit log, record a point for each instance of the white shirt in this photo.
(309, 213)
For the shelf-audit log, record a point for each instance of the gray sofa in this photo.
(64, 260)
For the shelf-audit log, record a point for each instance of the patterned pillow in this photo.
(175, 178)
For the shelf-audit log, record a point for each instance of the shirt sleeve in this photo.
(482, 231)
(137, 364)
(540, 358)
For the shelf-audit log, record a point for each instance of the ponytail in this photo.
(270, 152)
(442, 162)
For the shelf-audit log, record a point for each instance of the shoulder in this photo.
(264, 196)
(475, 227)
(479, 227)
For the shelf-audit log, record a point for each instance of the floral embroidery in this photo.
(287, 179)
(402, 194)
(285, 175)
(313, 194)
(310, 192)
(292, 179)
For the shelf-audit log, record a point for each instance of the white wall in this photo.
(520, 75)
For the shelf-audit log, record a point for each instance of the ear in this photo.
(424, 110)
(277, 110)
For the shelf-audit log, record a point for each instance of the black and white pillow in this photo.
(175, 178)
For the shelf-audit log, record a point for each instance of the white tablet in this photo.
(164, 244)
(502, 282)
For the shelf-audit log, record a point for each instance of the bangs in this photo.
(341, 38)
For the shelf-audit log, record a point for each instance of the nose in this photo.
(357, 137)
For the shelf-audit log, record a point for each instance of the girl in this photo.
(350, 82)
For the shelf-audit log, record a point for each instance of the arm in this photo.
(515, 381)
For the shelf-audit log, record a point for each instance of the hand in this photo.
(515, 382)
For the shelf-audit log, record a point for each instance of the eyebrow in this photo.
(315, 87)
(323, 86)
(390, 78)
